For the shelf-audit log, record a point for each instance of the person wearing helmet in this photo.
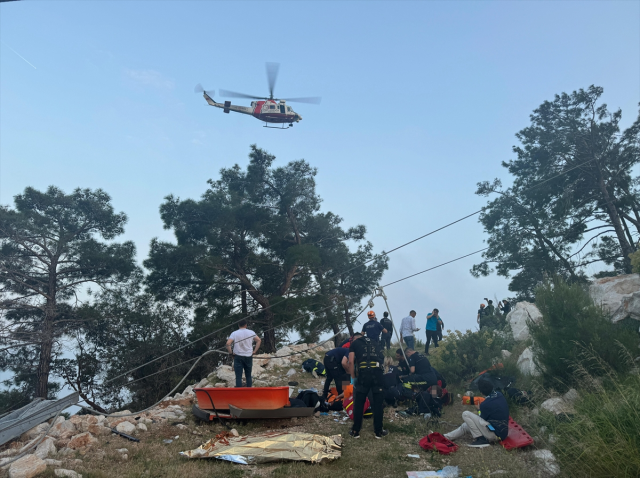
(481, 313)
(372, 328)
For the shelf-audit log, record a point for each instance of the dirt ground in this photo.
(364, 457)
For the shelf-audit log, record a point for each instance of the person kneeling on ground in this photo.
(422, 373)
(491, 424)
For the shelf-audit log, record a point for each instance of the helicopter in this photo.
(267, 109)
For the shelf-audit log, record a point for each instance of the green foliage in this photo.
(572, 187)
(570, 322)
(461, 356)
(51, 245)
(635, 261)
(601, 438)
(258, 235)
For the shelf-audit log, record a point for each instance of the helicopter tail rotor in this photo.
(199, 89)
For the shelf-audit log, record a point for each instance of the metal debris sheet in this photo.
(270, 447)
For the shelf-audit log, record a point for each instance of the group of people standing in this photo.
(434, 328)
(360, 361)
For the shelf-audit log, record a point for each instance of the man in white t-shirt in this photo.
(243, 350)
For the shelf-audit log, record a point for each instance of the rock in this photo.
(526, 363)
(69, 473)
(202, 383)
(188, 390)
(52, 462)
(120, 413)
(505, 354)
(142, 427)
(76, 420)
(571, 396)
(557, 405)
(65, 451)
(226, 374)
(619, 296)
(27, 467)
(82, 440)
(181, 426)
(98, 429)
(234, 432)
(291, 372)
(299, 347)
(283, 351)
(276, 362)
(64, 429)
(261, 360)
(45, 448)
(126, 427)
(220, 385)
(36, 431)
(260, 383)
(518, 317)
(124, 457)
(548, 461)
(122, 450)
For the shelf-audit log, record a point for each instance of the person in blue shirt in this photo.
(433, 320)
(490, 424)
(372, 329)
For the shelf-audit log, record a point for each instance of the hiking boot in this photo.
(480, 442)
(380, 435)
(354, 434)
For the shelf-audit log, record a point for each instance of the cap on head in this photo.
(371, 314)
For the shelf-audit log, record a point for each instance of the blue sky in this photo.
(421, 100)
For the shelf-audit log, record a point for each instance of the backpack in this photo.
(311, 365)
(436, 441)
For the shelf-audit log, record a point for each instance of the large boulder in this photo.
(526, 363)
(45, 448)
(619, 296)
(518, 317)
(27, 467)
(125, 427)
(225, 373)
(557, 406)
(63, 429)
(82, 440)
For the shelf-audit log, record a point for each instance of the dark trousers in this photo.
(241, 363)
(386, 340)
(335, 373)
(368, 381)
(431, 335)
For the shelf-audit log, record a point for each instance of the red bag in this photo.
(436, 441)
(348, 406)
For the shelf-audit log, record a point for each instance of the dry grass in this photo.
(365, 457)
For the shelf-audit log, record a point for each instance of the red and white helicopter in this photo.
(269, 110)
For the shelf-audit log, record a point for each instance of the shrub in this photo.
(602, 438)
(570, 322)
(462, 356)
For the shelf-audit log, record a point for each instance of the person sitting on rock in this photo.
(490, 424)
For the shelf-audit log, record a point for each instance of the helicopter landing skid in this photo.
(266, 125)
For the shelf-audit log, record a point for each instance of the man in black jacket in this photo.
(491, 424)
(386, 336)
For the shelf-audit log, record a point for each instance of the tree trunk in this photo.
(269, 335)
(46, 348)
(243, 299)
(616, 223)
(335, 329)
(347, 319)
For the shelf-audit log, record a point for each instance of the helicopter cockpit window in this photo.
(288, 108)
(273, 107)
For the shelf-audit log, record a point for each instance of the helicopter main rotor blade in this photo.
(233, 94)
(315, 100)
(272, 76)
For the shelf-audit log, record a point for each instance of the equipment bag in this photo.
(310, 398)
(348, 407)
(311, 365)
(436, 441)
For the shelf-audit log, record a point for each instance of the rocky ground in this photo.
(84, 445)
